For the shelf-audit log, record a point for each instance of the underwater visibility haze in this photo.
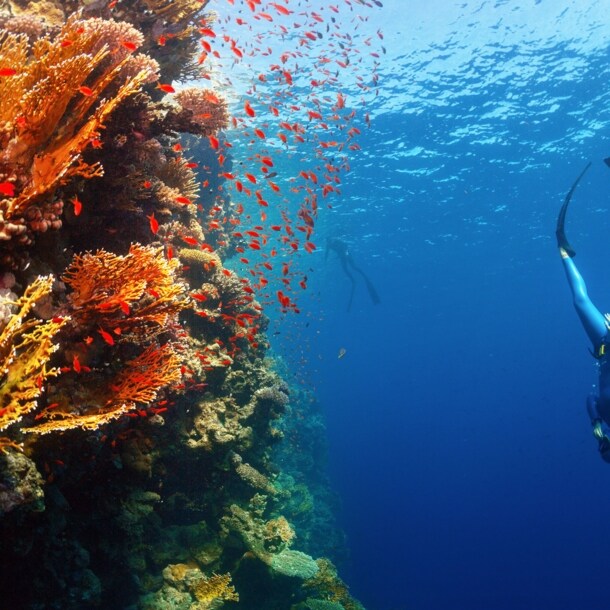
(283, 321)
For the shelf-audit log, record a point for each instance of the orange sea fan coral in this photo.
(52, 107)
(140, 287)
(138, 382)
(142, 378)
(26, 345)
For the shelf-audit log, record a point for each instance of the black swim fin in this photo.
(562, 240)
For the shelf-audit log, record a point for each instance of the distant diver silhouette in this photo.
(341, 249)
(597, 327)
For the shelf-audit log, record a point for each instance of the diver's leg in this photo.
(347, 272)
(598, 431)
(596, 420)
(592, 320)
(369, 285)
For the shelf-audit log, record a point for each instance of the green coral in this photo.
(294, 564)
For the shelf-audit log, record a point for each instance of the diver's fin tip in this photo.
(607, 161)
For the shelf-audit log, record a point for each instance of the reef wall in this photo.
(145, 454)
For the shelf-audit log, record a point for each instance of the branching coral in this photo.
(194, 589)
(202, 112)
(139, 289)
(52, 107)
(26, 345)
(212, 588)
(327, 585)
(139, 295)
(139, 381)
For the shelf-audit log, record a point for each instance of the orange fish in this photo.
(107, 337)
(282, 10)
(154, 224)
(76, 364)
(166, 88)
(7, 71)
(7, 188)
(130, 46)
(78, 206)
(86, 90)
(249, 110)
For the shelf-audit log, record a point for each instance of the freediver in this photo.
(341, 249)
(596, 325)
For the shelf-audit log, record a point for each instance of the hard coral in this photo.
(201, 112)
(186, 586)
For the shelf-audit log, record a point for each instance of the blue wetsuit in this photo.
(596, 328)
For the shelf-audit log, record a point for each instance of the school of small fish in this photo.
(310, 75)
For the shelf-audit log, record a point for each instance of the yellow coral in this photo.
(25, 349)
(191, 256)
(47, 115)
(212, 588)
(281, 529)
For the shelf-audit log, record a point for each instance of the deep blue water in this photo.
(459, 440)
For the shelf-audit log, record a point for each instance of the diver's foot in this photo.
(566, 252)
(604, 449)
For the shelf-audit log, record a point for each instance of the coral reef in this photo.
(26, 346)
(142, 420)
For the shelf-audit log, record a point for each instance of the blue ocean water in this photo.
(459, 440)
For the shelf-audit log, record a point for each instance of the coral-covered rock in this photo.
(294, 564)
(20, 483)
